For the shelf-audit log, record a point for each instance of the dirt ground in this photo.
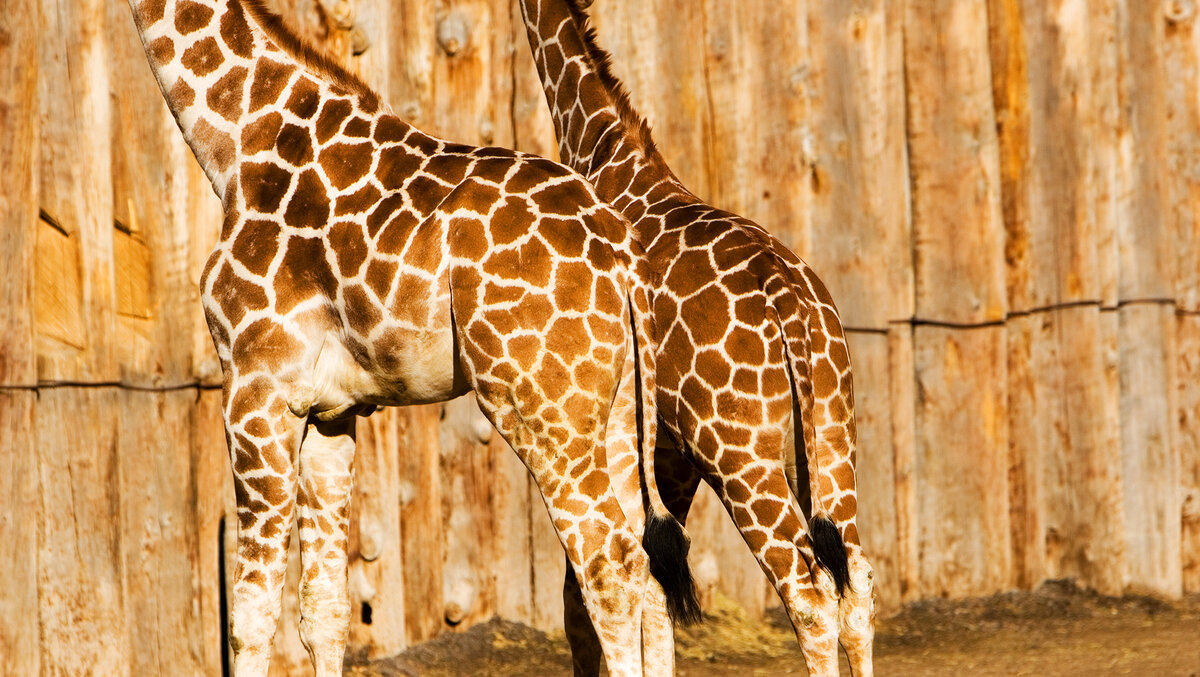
(1057, 630)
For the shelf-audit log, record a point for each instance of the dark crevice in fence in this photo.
(1037, 310)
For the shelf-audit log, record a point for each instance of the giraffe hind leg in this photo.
(326, 481)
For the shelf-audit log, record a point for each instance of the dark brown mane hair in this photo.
(601, 62)
(309, 56)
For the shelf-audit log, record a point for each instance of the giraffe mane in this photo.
(311, 57)
(601, 62)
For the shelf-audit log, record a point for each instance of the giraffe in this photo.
(752, 363)
(362, 263)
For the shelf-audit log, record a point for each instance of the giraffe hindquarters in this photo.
(263, 435)
(326, 482)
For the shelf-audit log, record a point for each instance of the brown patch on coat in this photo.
(345, 163)
(295, 145)
(261, 134)
(330, 119)
(426, 194)
(358, 201)
(225, 96)
(358, 128)
(264, 185)
(305, 98)
(162, 50)
(349, 247)
(391, 129)
(203, 57)
(182, 94)
(191, 16)
(151, 12)
(270, 77)
(511, 220)
(219, 145)
(303, 273)
(309, 206)
(256, 244)
(396, 164)
(235, 31)
(362, 311)
(235, 295)
(379, 276)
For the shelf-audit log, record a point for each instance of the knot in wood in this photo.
(453, 32)
(359, 42)
(1178, 11)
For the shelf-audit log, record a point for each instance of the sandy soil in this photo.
(1056, 630)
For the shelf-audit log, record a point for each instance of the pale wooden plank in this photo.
(467, 589)
(84, 624)
(659, 57)
(1187, 441)
(212, 497)
(376, 562)
(421, 525)
(159, 537)
(156, 298)
(1181, 61)
(876, 457)
(511, 533)
(958, 232)
(19, 518)
(1146, 258)
(902, 390)
(1150, 463)
(758, 141)
(860, 172)
(1064, 445)
(18, 201)
(1050, 65)
(547, 565)
(960, 462)
(74, 181)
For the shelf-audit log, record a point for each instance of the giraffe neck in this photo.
(222, 63)
(600, 135)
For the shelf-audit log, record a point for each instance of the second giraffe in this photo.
(752, 364)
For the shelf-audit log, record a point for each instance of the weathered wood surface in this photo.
(1004, 197)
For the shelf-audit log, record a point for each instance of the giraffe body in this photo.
(753, 369)
(363, 263)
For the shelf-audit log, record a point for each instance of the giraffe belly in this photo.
(412, 367)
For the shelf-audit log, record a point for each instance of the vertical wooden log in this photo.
(1150, 461)
(156, 295)
(377, 566)
(758, 147)
(876, 471)
(547, 565)
(510, 533)
(75, 190)
(210, 497)
(1182, 67)
(19, 518)
(860, 175)
(85, 628)
(903, 395)
(657, 54)
(421, 528)
(960, 462)
(1147, 330)
(19, 200)
(1048, 72)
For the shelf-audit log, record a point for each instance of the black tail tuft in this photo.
(667, 548)
(829, 550)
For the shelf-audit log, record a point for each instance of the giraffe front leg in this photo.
(263, 435)
(326, 481)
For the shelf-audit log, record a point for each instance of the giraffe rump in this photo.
(667, 547)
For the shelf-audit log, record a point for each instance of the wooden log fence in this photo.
(1004, 197)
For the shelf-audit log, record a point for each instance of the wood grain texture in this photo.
(958, 232)
(19, 79)
(20, 509)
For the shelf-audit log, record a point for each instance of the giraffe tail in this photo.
(664, 539)
(829, 549)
